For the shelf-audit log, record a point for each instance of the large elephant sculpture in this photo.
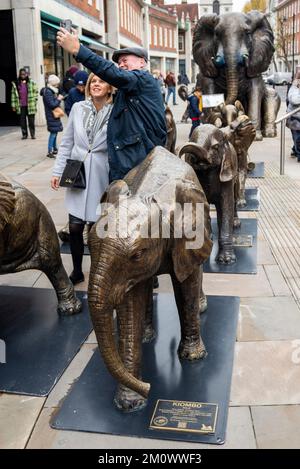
(28, 240)
(122, 267)
(232, 50)
(215, 162)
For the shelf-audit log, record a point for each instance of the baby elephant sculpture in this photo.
(214, 160)
(28, 240)
(122, 267)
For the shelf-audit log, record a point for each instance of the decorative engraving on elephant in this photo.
(232, 51)
(122, 267)
(28, 240)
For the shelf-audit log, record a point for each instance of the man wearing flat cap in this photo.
(137, 123)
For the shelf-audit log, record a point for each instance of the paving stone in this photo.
(277, 281)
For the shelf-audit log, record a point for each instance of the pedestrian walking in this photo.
(77, 93)
(24, 97)
(52, 102)
(293, 122)
(195, 108)
(171, 87)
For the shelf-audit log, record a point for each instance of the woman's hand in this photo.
(60, 97)
(68, 41)
(55, 182)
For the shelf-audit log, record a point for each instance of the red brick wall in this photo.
(165, 23)
(84, 6)
(130, 12)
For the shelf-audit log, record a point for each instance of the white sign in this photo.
(212, 100)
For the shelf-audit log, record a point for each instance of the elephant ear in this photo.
(204, 44)
(115, 190)
(240, 108)
(262, 48)
(229, 163)
(7, 201)
(186, 259)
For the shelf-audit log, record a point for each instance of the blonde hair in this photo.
(88, 93)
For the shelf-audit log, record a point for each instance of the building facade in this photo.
(287, 35)
(219, 7)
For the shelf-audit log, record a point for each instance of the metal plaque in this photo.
(184, 416)
(243, 241)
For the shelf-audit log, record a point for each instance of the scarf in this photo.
(53, 88)
(198, 94)
(93, 120)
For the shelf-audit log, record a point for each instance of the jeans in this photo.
(171, 90)
(296, 139)
(52, 142)
(23, 121)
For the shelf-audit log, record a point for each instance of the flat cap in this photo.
(138, 51)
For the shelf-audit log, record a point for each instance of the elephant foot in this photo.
(129, 401)
(226, 256)
(69, 307)
(191, 351)
(258, 136)
(270, 133)
(149, 334)
(240, 203)
(236, 222)
(202, 304)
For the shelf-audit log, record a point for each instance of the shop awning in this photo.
(86, 40)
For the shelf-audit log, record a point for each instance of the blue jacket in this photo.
(50, 103)
(137, 123)
(74, 96)
(194, 106)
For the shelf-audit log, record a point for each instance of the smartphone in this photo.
(67, 24)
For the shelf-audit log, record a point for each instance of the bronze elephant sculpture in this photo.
(122, 267)
(171, 131)
(215, 162)
(28, 240)
(232, 51)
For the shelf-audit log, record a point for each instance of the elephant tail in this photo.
(7, 201)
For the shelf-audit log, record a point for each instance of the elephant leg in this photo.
(255, 96)
(48, 260)
(187, 296)
(149, 333)
(203, 299)
(131, 317)
(225, 216)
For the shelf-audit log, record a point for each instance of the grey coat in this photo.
(84, 203)
(293, 122)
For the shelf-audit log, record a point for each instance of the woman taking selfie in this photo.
(85, 140)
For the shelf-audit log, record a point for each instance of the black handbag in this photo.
(73, 175)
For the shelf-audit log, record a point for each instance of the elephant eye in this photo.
(138, 255)
(215, 146)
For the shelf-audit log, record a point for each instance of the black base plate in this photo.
(252, 196)
(258, 171)
(89, 406)
(39, 343)
(246, 257)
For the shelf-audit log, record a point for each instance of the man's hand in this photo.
(68, 41)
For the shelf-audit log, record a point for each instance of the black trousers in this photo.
(23, 122)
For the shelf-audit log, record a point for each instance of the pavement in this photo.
(265, 393)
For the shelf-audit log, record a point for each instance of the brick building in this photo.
(288, 25)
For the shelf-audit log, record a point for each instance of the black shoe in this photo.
(76, 278)
(175, 104)
(55, 151)
(32, 137)
(50, 155)
(24, 137)
(155, 282)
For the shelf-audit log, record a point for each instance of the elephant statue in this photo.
(28, 240)
(122, 267)
(215, 162)
(171, 131)
(232, 51)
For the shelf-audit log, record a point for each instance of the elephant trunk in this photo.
(102, 318)
(232, 80)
